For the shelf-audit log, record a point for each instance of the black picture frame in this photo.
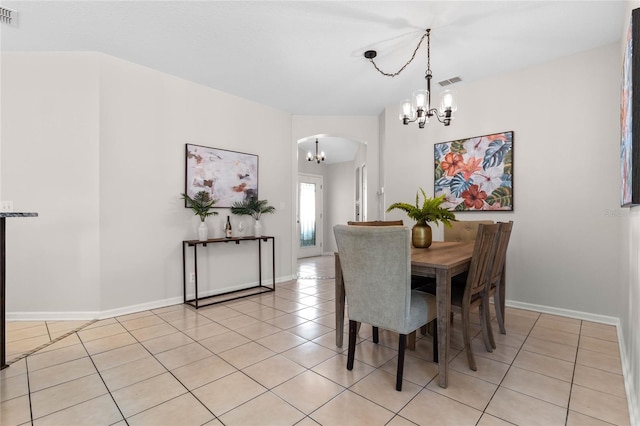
(228, 176)
(475, 174)
(630, 117)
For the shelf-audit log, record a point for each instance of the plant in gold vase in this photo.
(431, 210)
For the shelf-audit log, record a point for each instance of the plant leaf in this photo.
(458, 184)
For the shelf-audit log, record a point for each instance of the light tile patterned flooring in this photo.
(271, 360)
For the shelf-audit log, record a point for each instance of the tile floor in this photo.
(271, 360)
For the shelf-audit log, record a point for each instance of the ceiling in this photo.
(306, 57)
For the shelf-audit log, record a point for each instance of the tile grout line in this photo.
(51, 342)
(165, 367)
(507, 372)
(103, 382)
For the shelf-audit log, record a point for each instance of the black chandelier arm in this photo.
(372, 55)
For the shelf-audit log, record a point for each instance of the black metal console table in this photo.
(230, 295)
(3, 276)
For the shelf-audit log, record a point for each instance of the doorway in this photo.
(310, 220)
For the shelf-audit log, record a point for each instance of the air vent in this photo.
(8, 16)
(449, 81)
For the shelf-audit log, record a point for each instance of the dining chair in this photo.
(381, 223)
(376, 270)
(475, 289)
(496, 274)
(377, 223)
(464, 230)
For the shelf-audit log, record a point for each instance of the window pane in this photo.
(307, 214)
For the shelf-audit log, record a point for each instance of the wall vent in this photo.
(8, 16)
(449, 81)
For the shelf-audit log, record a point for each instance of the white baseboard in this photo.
(603, 319)
(51, 316)
(633, 397)
(125, 310)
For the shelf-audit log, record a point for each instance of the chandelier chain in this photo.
(426, 34)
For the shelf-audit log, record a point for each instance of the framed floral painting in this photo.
(630, 117)
(475, 174)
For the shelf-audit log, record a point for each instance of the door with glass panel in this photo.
(309, 215)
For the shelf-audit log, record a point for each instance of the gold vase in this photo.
(421, 235)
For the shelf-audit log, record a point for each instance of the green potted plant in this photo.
(254, 208)
(431, 210)
(201, 204)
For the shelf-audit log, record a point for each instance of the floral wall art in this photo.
(630, 117)
(475, 174)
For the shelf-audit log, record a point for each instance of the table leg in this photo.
(443, 301)
(340, 300)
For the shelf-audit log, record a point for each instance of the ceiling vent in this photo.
(449, 81)
(8, 16)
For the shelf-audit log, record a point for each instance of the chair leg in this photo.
(487, 319)
(466, 324)
(435, 340)
(376, 336)
(498, 305)
(485, 325)
(401, 348)
(353, 330)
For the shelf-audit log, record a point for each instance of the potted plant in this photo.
(430, 211)
(254, 208)
(201, 204)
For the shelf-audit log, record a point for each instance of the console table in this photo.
(230, 295)
(3, 252)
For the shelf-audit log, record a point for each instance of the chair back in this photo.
(481, 260)
(377, 223)
(463, 230)
(376, 269)
(500, 257)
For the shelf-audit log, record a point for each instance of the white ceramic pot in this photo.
(257, 229)
(203, 232)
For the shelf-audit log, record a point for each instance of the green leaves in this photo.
(201, 204)
(252, 207)
(430, 211)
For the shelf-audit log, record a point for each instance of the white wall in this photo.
(106, 140)
(340, 190)
(565, 250)
(50, 148)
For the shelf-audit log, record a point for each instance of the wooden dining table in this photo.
(441, 260)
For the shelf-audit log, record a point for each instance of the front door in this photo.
(309, 215)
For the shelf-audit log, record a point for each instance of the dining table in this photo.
(441, 260)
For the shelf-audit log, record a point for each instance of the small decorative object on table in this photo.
(227, 229)
(201, 204)
(430, 211)
(254, 208)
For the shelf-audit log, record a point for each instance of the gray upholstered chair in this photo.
(376, 268)
(381, 223)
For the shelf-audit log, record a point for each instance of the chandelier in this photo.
(318, 157)
(419, 108)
